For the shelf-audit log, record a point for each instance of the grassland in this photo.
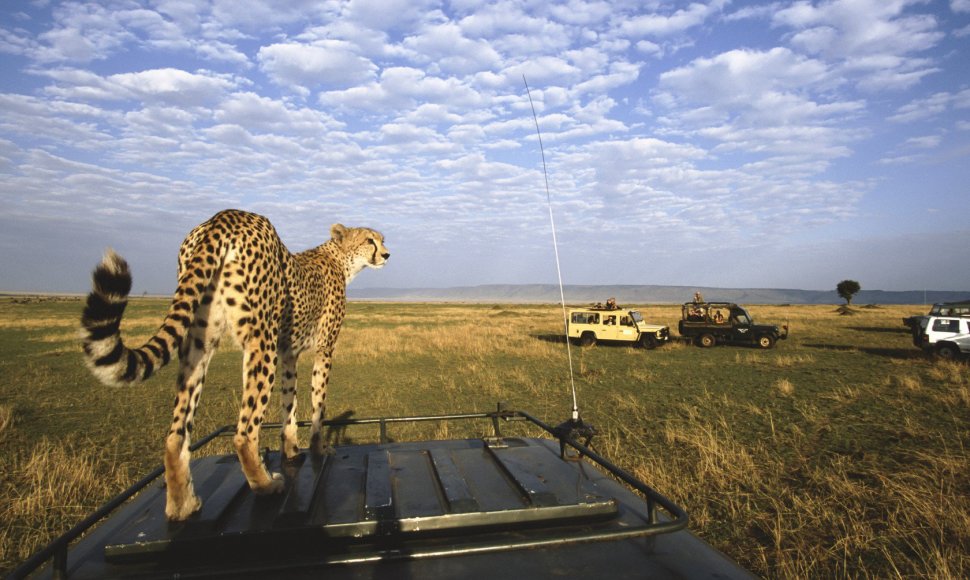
(844, 452)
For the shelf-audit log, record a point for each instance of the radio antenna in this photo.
(555, 245)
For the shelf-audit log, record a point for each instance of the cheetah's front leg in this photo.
(321, 377)
(289, 444)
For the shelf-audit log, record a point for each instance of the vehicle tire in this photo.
(706, 340)
(587, 339)
(765, 342)
(647, 341)
(947, 351)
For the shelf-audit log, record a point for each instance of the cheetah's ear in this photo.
(337, 232)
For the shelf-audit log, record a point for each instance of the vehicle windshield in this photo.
(741, 316)
(636, 316)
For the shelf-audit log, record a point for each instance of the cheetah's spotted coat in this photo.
(234, 275)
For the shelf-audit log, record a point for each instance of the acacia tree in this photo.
(847, 289)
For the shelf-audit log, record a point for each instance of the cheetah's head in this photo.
(363, 247)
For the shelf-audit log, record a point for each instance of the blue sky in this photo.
(712, 143)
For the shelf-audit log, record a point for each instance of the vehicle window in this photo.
(611, 320)
(946, 326)
(626, 321)
(720, 315)
(741, 316)
(695, 312)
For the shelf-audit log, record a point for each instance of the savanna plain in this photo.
(843, 452)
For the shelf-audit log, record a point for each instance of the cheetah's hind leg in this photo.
(259, 372)
(181, 501)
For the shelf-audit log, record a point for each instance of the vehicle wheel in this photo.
(587, 339)
(648, 342)
(947, 351)
(765, 341)
(706, 340)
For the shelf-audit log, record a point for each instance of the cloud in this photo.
(764, 11)
(262, 114)
(445, 50)
(659, 25)
(501, 19)
(679, 190)
(433, 114)
(326, 63)
(760, 102)
(718, 123)
(82, 33)
(16, 42)
(511, 30)
(924, 108)
(402, 88)
(174, 85)
(581, 13)
(387, 15)
(924, 142)
(738, 75)
(871, 40)
(88, 32)
(961, 100)
(259, 16)
(218, 51)
(161, 86)
(53, 121)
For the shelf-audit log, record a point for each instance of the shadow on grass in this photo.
(554, 338)
(903, 353)
(560, 339)
(900, 330)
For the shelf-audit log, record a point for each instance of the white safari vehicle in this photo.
(944, 335)
(588, 325)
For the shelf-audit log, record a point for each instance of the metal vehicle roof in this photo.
(479, 507)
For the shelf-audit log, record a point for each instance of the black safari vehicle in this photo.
(500, 506)
(915, 323)
(710, 323)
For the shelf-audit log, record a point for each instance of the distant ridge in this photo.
(549, 293)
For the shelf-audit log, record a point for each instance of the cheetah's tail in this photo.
(105, 352)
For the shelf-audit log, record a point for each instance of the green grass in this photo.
(842, 452)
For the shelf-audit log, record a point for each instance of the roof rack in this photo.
(373, 502)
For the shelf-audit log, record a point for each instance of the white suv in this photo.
(945, 328)
(951, 348)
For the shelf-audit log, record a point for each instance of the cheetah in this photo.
(236, 277)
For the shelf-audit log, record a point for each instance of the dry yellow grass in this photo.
(842, 453)
(826, 526)
(52, 477)
(907, 382)
(785, 387)
(6, 420)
